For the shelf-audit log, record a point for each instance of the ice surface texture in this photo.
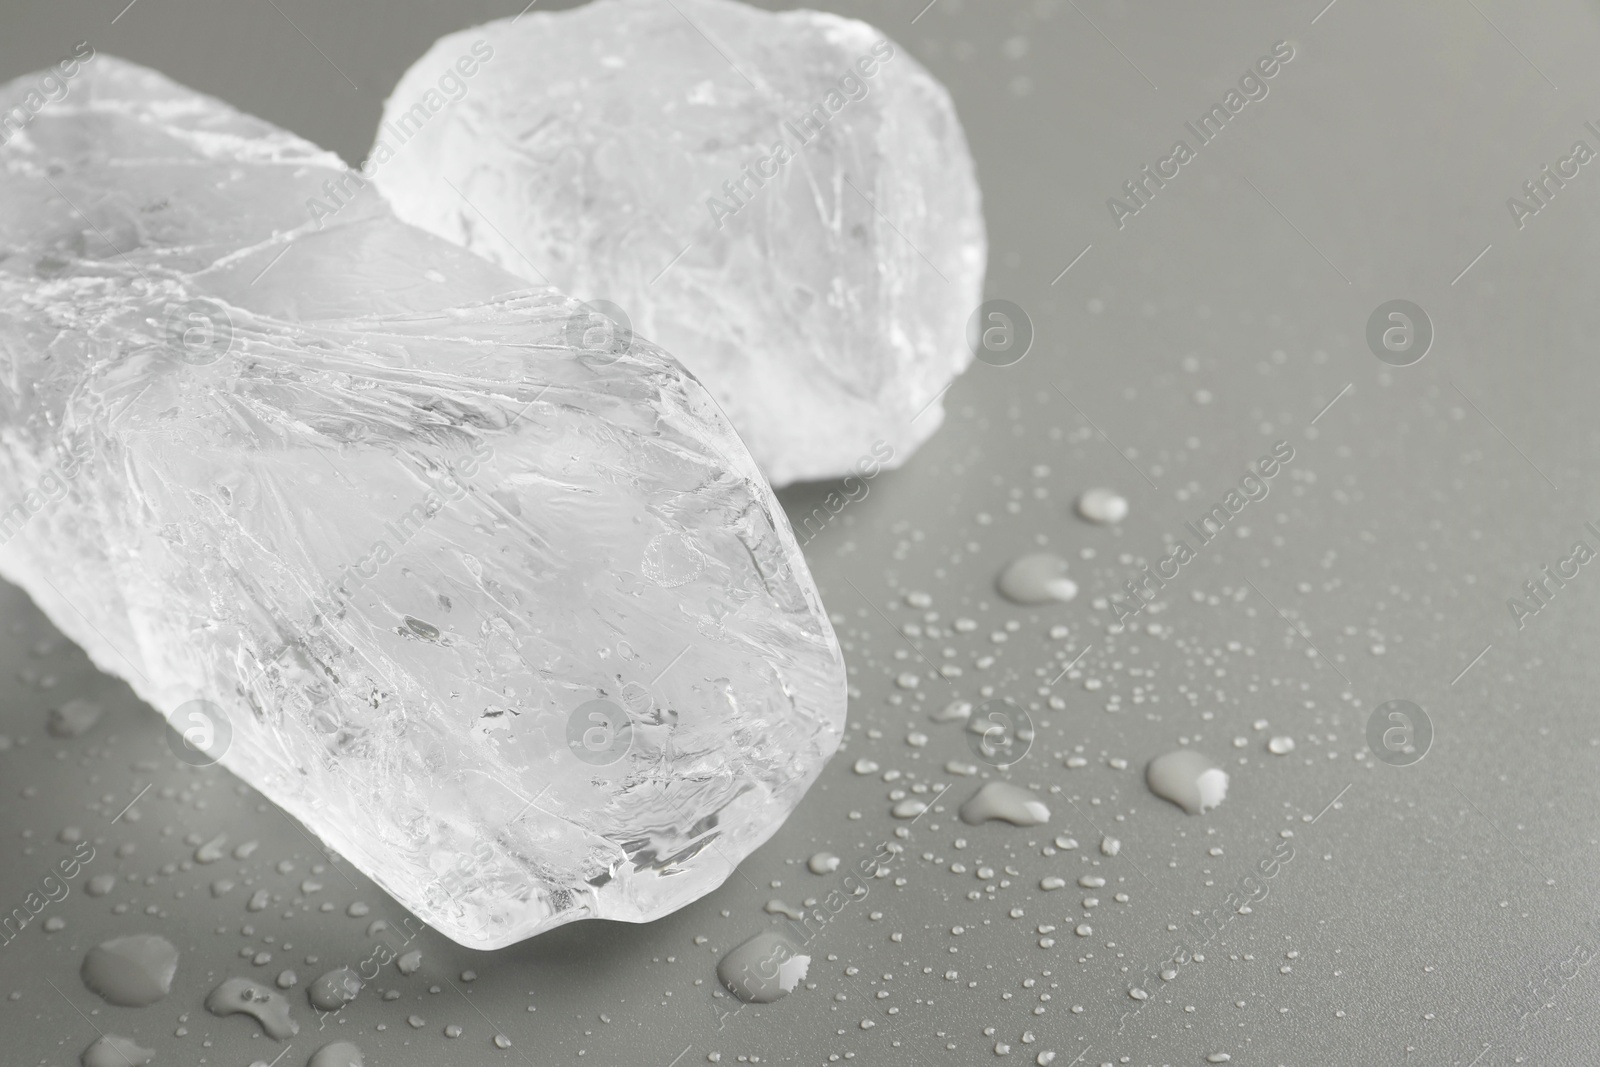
(355, 486)
(822, 294)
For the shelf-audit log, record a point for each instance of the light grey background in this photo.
(1226, 315)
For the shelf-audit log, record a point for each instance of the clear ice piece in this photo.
(517, 627)
(822, 295)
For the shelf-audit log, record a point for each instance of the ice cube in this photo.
(783, 200)
(516, 626)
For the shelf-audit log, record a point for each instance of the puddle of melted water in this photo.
(763, 969)
(1006, 803)
(241, 995)
(131, 972)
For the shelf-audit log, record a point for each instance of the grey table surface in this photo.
(1441, 912)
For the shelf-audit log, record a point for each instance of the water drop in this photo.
(334, 990)
(823, 863)
(338, 1054)
(1188, 779)
(114, 1051)
(240, 995)
(1280, 746)
(1103, 506)
(787, 910)
(131, 972)
(908, 808)
(1037, 578)
(748, 974)
(1009, 803)
(74, 718)
(211, 851)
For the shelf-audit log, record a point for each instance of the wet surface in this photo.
(1401, 871)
